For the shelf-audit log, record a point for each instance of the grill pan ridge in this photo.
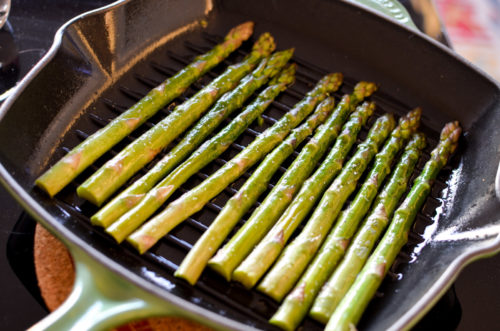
(397, 95)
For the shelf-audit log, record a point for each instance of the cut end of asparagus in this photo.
(219, 268)
(40, 182)
(98, 221)
(364, 89)
(88, 195)
(244, 277)
(270, 290)
(191, 279)
(368, 108)
(118, 234)
(265, 44)
(242, 31)
(141, 242)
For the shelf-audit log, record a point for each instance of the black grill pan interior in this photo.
(212, 291)
(308, 27)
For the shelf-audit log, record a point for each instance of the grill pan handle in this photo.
(101, 300)
(392, 8)
(497, 183)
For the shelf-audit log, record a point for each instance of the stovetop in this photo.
(473, 303)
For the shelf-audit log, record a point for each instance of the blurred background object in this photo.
(474, 31)
(4, 11)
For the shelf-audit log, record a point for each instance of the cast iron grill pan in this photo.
(68, 99)
(159, 264)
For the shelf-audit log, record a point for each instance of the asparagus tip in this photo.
(244, 31)
(287, 76)
(452, 132)
(369, 107)
(280, 57)
(265, 44)
(418, 141)
(409, 123)
(416, 113)
(332, 81)
(365, 89)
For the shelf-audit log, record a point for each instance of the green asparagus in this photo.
(119, 169)
(329, 168)
(255, 227)
(296, 305)
(299, 252)
(229, 102)
(266, 252)
(350, 309)
(357, 254)
(207, 152)
(198, 256)
(71, 165)
(192, 201)
(293, 310)
(276, 201)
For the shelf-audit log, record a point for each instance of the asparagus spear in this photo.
(263, 217)
(229, 102)
(207, 152)
(266, 252)
(293, 310)
(314, 186)
(192, 201)
(353, 304)
(237, 206)
(71, 165)
(198, 256)
(357, 254)
(299, 252)
(271, 209)
(116, 171)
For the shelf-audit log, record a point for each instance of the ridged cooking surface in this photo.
(159, 264)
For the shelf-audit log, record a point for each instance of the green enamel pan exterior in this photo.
(108, 292)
